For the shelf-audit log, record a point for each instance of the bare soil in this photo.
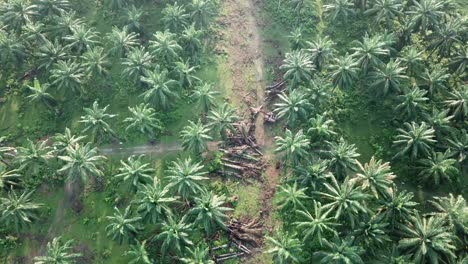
(241, 40)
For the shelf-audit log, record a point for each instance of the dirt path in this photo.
(242, 41)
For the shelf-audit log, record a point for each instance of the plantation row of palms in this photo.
(336, 209)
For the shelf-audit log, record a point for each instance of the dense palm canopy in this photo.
(435, 80)
(138, 253)
(342, 157)
(50, 53)
(16, 14)
(458, 101)
(63, 141)
(121, 41)
(81, 39)
(96, 62)
(339, 9)
(175, 17)
(205, 94)
(415, 140)
(58, 252)
(412, 103)
(322, 51)
(369, 52)
(385, 10)
(388, 78)
(164, 46)
(9, 178)
(12, 51)
(320, 127)
(425, 14)
(195, 136)
(291, 197)
(397, 207)
(39, 93)
(137, 62)
(454, 210)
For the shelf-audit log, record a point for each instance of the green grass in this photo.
(248, 196)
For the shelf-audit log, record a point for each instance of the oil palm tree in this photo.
(96, 62)
(294, 146)
(320, 127)
(209, 212)
(165, 47)
(435, 79)
(322, 51)
(222, 118)
(311, 175)
(454, 210)
(285, 248)
(121, 41)
(372, 234)
(388, 78)
(49, 8)
(135, 171)
(191, 41)
(18, 211)
(342, 157)
(58, 252)
(186, 74)
(412, 59)
(297, 39)
(196, 255)
(339, 9)
(427, 239)
(153, 202)
(459, 61)
(50, 53)
(194, 137)
(415, 140)
(185, 177)
(205, 94)
(122, 226)
(160, 92)
(369, 52)
(16, 14)
(201, 12)
(298, 67)
(175, 17)
(345, 200)
(33, 156)
(397, 207)
(293, 107)
(63, 141)
(412, 103)
(138, 253)
(68, 75)
(62, 25)
(6, 152)
(143, 119)
(447, 34)
(317, 225)
(39, 93)
(9, 178)
(175, 235)
(441, 121)
(82, 39)
(12, 51)
(137, 62)
(457, 101)
(133, 19)
(34, 34)
(291, 198)
(385, 11)
(458, 145)
(344, 71)
(339, 251)
(425, 14)
(81, 162)
(376, 176)
(439, 167)
(96, 120)
(117, 4)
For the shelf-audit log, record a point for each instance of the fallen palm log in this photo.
(276, 85)
(227, 256)
(250, 232)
